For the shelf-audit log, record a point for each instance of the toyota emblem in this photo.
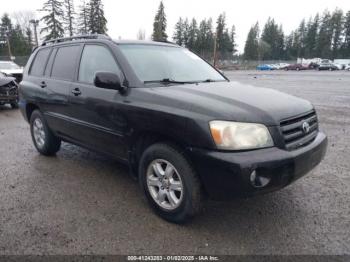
(306, 127)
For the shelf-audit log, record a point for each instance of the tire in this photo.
(44, 140)
(14, 104)
(189, 200)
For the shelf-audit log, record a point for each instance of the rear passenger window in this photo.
(39, 63)
(96, 58)
(65, 63)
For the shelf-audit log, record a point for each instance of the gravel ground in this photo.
(80, 202)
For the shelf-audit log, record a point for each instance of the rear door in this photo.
(59, 74)
(99, 122)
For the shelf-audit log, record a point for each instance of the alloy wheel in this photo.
(164, 184)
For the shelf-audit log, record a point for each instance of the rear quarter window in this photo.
(39, 63)
(65, 62)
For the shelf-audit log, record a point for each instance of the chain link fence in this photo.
(222, 64)
(248, 65)
(19, 60)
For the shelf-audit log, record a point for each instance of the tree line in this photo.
(323, 36)
(59, 19)
(199, 37)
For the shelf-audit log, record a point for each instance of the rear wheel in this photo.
(44, 140)
(170, 183)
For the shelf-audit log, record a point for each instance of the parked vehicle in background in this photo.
(328, 66)
(313, 65)
(8, 91)
(10, 68)
(181, 126)
(339, 66)
(265, 67)
(347, 67)
(282, 66)
(296, 67)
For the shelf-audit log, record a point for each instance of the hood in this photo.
(5, 81)
(12, 71)
(233, 101)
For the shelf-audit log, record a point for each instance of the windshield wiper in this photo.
(169, 81)
(210, 81)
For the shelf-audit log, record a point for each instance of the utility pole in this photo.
(35, 24)
(215, 50)
(8, 43)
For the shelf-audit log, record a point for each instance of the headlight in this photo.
(240, 136)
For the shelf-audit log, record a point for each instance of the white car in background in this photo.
(10, 68)
(340, 67)
(347, 67)
(280, 66)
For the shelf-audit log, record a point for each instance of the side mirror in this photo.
(108, 80)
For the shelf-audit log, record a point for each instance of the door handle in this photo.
(43, 84)
(76, 92)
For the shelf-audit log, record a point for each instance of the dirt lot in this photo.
(81, 202)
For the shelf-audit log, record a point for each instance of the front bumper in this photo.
(226, 174)
(8, 98)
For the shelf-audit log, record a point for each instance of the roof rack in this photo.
(166, 41)
(78, 37)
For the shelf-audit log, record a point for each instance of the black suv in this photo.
(183, 128)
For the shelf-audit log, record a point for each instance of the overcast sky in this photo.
(126, 17)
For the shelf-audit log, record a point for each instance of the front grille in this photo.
(293, 133)
(8, 90)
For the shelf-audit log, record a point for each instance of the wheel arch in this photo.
(30, 107)
(140, 142)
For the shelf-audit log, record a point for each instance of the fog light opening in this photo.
(259, 181)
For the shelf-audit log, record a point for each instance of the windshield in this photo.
(167, 64)
(8, 65)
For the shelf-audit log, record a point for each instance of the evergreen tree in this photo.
(29, 39)
(272, 36)
(205, 38)
(311, 37)
(220, 33)
(159, 25)
(302, 32)
(6, 30)
(53, 19)
(192, 36)
(337, 28)
(69, 16)
(83, 18)
(18, 41)
(289, 52)
(233, 39)
(224, 38)
(97, 23)
(324, 40)
(346, 43)
(251, 48)
(178, 36)
(186, 32)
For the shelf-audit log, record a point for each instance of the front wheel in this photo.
(14, 104)
(44, 140)
(170, 183)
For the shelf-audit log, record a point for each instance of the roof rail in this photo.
(166, 41)
(78, 37)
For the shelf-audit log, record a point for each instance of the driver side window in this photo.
(96, 58)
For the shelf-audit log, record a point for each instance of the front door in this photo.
(96, 112)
